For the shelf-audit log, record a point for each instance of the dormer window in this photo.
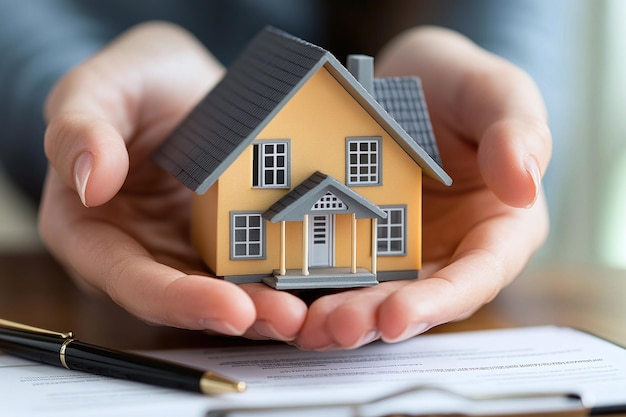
(271, 164)
(363, 160)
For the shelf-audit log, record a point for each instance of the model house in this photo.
(308, 173)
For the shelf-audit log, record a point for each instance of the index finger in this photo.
(478, 101)
(127, 96)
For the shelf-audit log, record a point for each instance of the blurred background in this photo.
(587, 195)
(18, 220)
(587, 179)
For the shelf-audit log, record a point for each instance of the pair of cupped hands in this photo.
(121, 225)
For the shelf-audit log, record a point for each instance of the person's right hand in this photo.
(129, 237)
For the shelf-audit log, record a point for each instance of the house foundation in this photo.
(293, 279)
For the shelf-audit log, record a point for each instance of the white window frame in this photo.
(262, 153)
(386, 229)
(363, 162)
(247, 236)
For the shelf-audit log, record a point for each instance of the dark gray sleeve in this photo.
(539, 36)
(532, 34)
(39, 41)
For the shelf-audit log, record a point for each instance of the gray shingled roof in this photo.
(403, 99)
(258, 84)
(298, 202)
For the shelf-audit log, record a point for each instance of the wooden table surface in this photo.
(34, 289)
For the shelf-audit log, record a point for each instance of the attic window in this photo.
(329, 201)
(270, 164)
(363, 160)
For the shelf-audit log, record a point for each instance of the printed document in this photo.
(448, 372)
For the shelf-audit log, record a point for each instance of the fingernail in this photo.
(412, 330)
(221, 327)
(82, 171)
(327, 348)
(368, 338)
(265, 328)
(532, 167)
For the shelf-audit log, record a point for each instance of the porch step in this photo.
(321, 278)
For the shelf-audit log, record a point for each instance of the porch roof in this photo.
(299, 201)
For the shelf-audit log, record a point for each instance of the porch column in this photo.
(374, 243)
(283, 268)
(353, 263)
(305, 245)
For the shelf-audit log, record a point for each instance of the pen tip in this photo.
(212, 384)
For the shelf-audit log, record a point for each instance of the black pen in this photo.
(61, 349)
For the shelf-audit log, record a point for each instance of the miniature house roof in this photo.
(403, 99)
(298, 202)
(259, 83)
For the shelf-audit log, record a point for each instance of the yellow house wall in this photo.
(204, 231)
(317, 121)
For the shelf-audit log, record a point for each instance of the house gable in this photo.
(317, 121)
(271, 69)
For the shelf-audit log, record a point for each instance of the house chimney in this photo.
(362, 67)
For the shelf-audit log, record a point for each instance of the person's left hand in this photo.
(478, 234)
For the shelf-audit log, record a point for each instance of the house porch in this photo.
(331, 277)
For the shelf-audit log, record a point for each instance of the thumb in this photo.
(89, 154)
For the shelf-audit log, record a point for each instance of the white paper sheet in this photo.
(536, 359)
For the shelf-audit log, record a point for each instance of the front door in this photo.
(321, 240)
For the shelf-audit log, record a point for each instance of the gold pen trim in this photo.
(62, 352)
(212, 383)
(24, 327)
